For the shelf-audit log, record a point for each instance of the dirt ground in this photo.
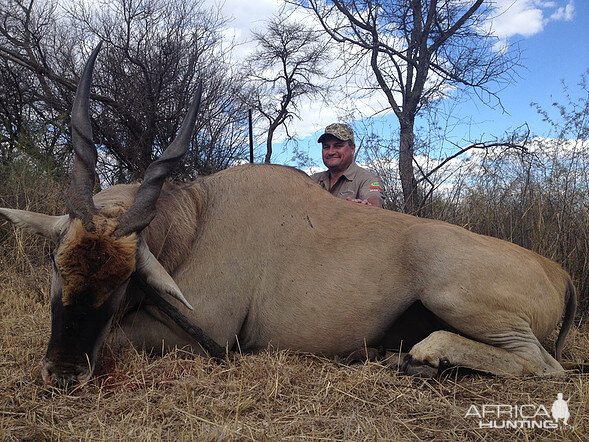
(275, 395)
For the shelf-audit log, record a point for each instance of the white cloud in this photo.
(501, 46)
(243, 18)
(313, 169)
(564, 13)
(517, 17)
(245, 15)
(527, 17)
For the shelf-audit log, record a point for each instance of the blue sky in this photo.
(559, 52)
(553, 36)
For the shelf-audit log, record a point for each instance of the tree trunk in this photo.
(408, 181)
(271, 131)
(268, 149)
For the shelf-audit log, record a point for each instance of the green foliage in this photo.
(40, 147)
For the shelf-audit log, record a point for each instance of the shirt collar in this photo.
(351, 172)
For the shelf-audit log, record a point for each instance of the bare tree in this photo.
(285, 67)
(156, 51)
(417, 50)
(31, 128)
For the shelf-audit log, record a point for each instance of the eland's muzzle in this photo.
(64, 374)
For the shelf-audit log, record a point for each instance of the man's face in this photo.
(337, 155)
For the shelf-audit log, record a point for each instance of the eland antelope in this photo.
(259, 255)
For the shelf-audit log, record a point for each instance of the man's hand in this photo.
(366, 202)
(359, 201)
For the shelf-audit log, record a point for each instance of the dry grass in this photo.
(273, 395)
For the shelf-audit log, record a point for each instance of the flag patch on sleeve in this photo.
(375, 187)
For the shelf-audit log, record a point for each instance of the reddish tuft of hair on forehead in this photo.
(92, 265)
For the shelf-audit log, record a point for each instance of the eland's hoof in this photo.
(413, 367)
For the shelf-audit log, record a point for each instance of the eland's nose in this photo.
(64, 375)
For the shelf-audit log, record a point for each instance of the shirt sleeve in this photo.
(371, 186)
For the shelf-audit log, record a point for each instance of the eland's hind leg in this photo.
(516, 354)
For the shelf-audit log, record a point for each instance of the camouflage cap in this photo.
(341, 131)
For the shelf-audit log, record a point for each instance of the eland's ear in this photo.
(155, 275)
(44, 225)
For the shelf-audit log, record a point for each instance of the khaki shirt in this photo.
(356, 183)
